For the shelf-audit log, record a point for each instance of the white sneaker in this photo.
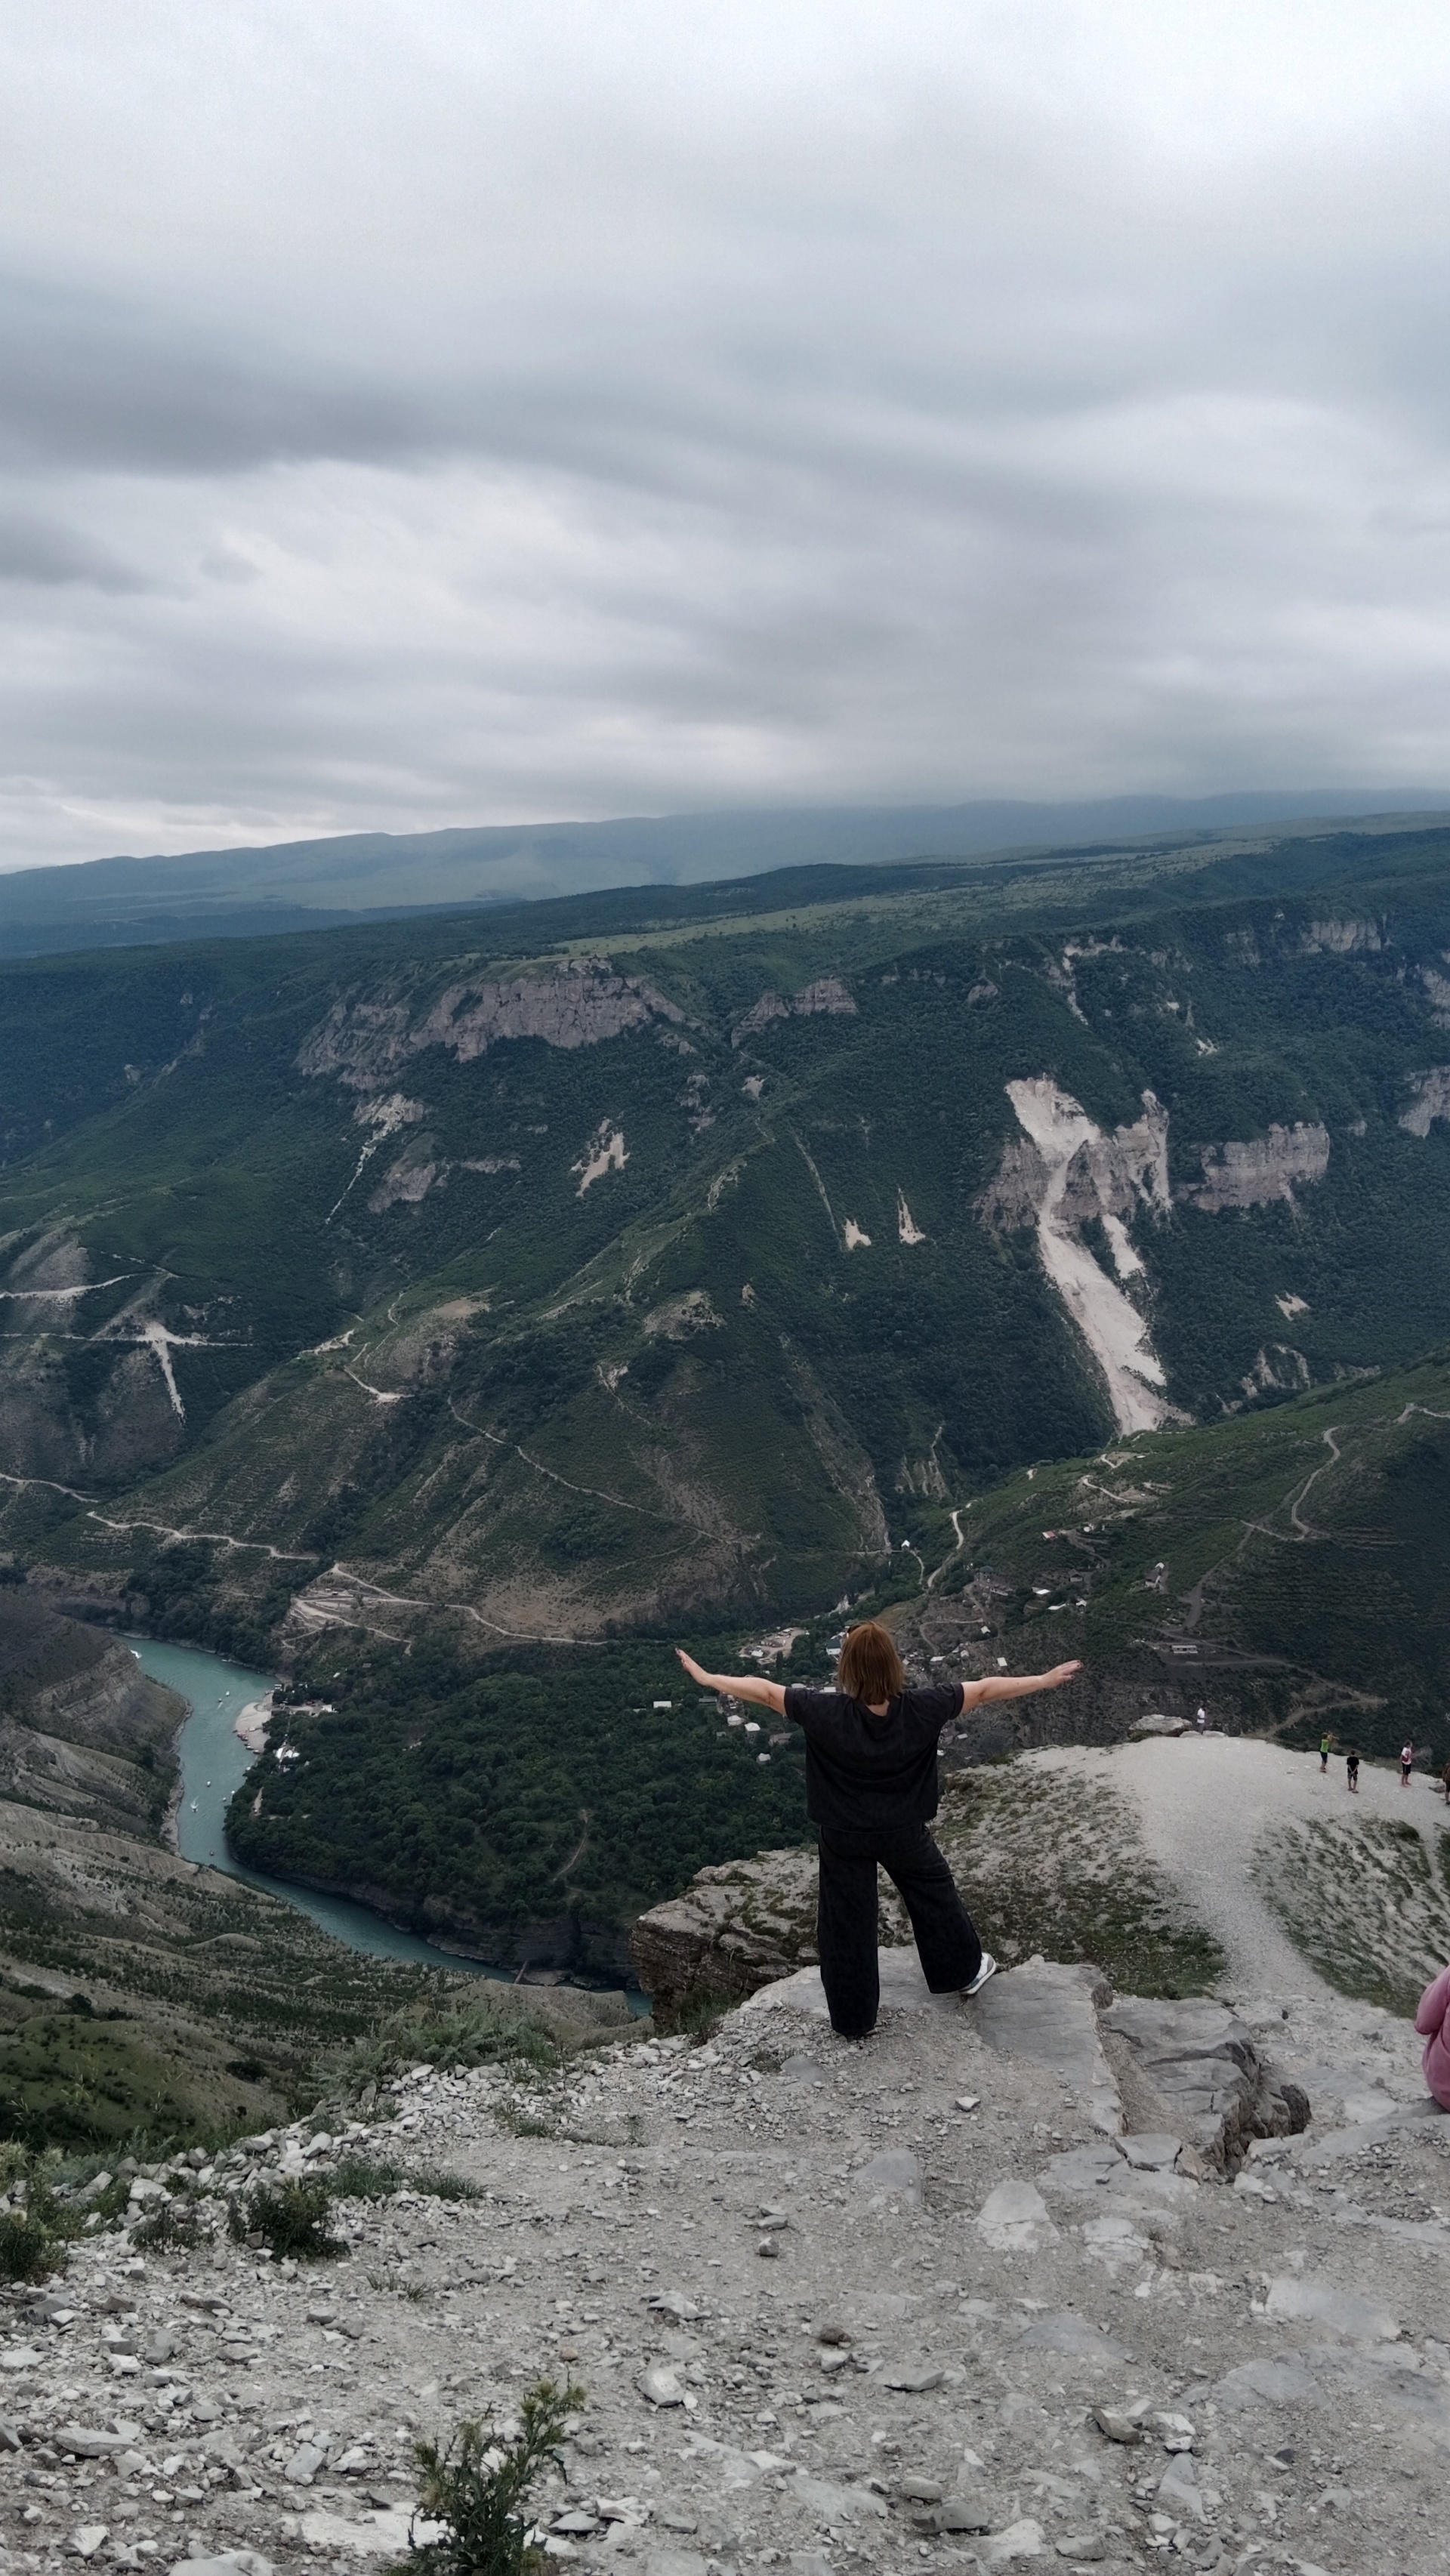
(987, 1969)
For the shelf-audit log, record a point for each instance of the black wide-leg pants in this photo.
(946, 1938)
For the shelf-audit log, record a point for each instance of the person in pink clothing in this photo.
(1432, 2021)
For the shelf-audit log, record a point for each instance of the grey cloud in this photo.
(95, 384)
(34, 549)
(634, 455)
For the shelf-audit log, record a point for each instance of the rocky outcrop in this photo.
(364, 1041)
(62, 1678)
(407, 1182)
(1265, 1169)
(1017, 1188)
(737, 1928)
(1341, 939)
(1429, 1100)
(828, 993)
(1065, 1169)
(1089, 1173)
(1186, 2071)
(1194, 2073)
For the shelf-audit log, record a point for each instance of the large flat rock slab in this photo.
(1042, 2012)
(1047, 2013)
(903, 1989)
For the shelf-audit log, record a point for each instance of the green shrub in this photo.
(477, 2488)
(171, 2226)
(493, 2030)
(291, 2218)
(33, 2240)
(699, 2012)
(27, 2248)
(364, 2178)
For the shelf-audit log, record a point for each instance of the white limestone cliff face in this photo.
(1264, 1169)
(1341, 938)
(1064, 1172)
(579, 1003)
(1071, 1171)
(828, 993)
(1430, 1099)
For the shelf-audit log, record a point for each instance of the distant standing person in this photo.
(1351, 1771)
(1432, 2021)
(1407, 1764)
(871, 1790)
(1200, 1719)
(1445, 1783)
(1324, 1750)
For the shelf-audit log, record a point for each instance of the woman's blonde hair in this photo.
(870, 1667)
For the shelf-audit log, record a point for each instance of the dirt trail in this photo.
(1204, 1802)
(1303, 1527)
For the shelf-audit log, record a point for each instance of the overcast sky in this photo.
(480, 410)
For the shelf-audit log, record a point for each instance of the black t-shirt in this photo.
(872, 1773)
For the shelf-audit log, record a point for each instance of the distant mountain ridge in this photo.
(253, 890)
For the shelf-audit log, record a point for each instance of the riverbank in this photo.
(251, 1725)
(228, 1705)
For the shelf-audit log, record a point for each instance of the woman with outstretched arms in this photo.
(871, 1791)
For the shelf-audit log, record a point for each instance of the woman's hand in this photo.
(1061, 1673)
(697, 1672)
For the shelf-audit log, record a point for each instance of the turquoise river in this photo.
(215, 1761)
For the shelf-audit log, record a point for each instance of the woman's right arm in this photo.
(750, 1686)
(1017, 1685)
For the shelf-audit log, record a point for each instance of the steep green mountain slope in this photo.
(698, 1259)
(1288, 1570)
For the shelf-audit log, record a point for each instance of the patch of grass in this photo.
(1048, 1862)
(26, 2247)
(525, 2116)
(364, 2178)
(491, 2029)
(1363, 1902)
(697, 2015)
(291, 2218)
(478, 2485)
(367, 2178)
(445, 2186)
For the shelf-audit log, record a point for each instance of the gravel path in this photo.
(1204, 1802)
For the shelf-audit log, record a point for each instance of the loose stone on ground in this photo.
(983, 2335)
